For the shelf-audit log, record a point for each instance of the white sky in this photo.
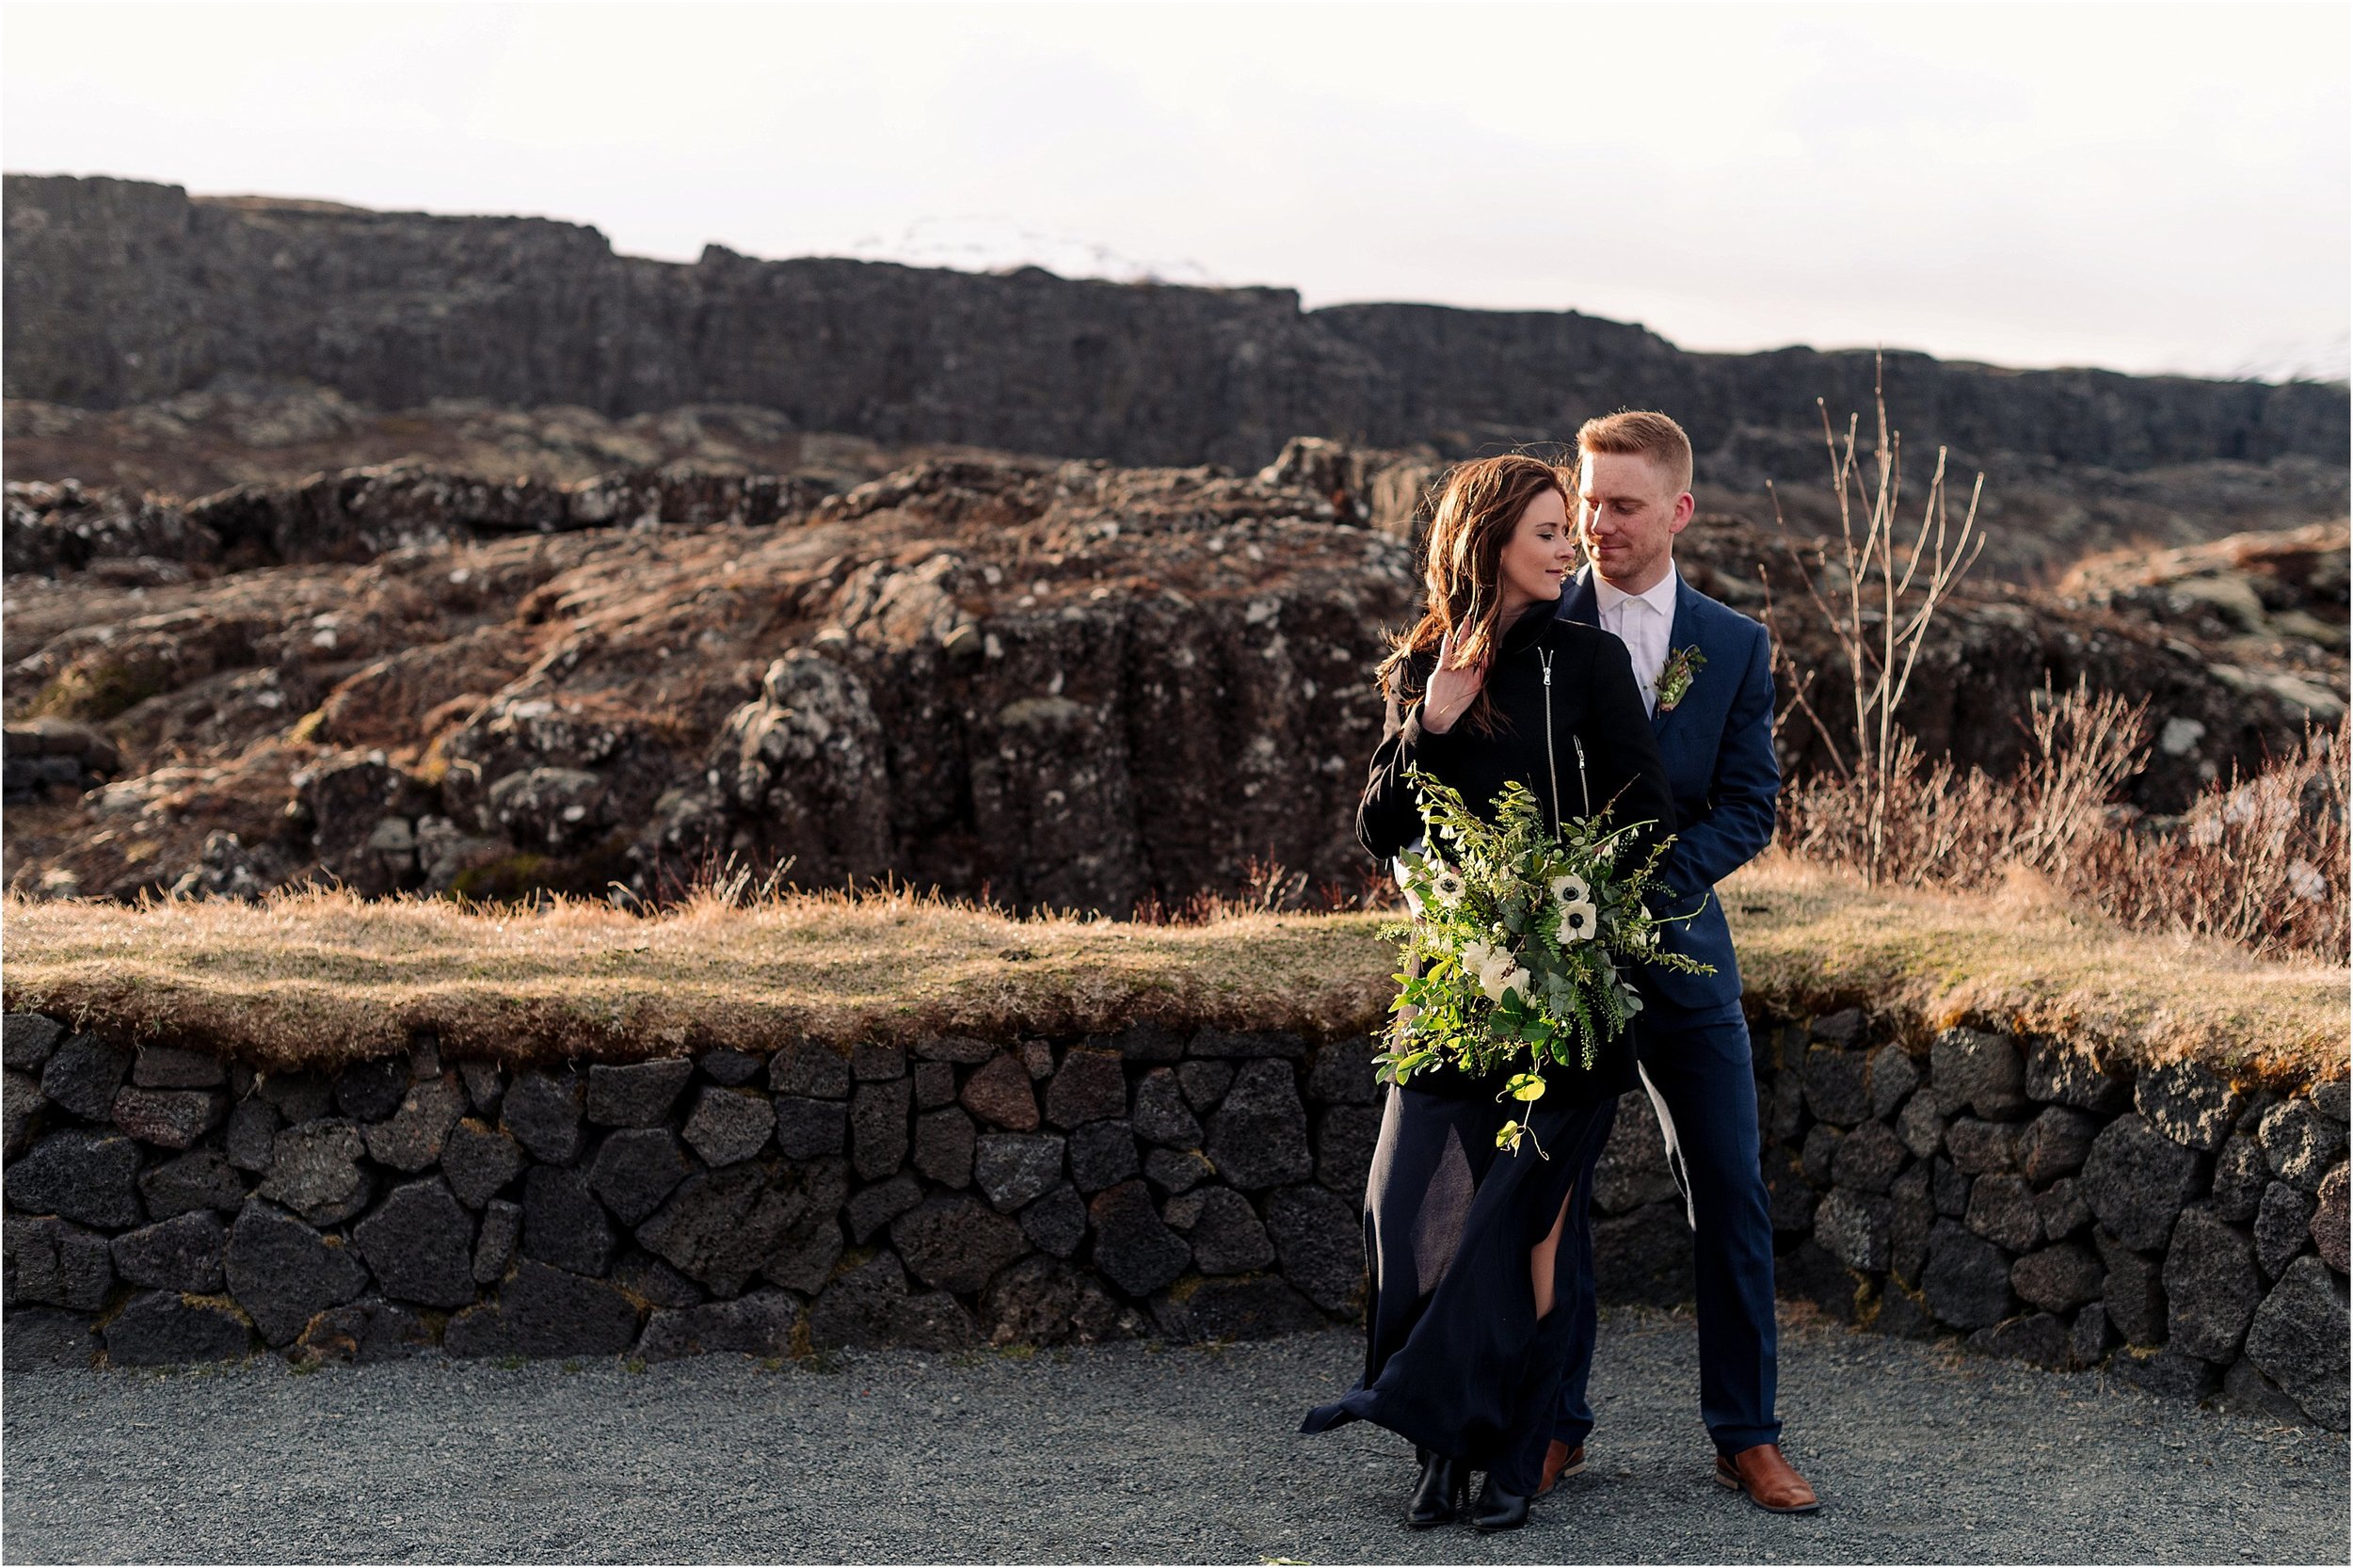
(2151, 187)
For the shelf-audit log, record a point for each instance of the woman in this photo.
(1463, 1351)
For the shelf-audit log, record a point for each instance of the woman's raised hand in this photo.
(1451, 689)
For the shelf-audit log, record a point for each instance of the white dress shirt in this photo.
(1641, 621)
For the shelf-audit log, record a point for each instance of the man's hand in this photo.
(1451, 689)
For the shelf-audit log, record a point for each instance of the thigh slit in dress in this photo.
(1456, 1360)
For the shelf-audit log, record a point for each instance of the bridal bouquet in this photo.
(1520, 941)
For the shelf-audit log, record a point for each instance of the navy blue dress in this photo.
(1456, 1360)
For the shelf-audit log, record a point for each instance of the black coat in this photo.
(1594, 701)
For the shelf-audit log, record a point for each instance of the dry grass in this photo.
(323, 977)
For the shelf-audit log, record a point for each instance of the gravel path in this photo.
(1123, 1452)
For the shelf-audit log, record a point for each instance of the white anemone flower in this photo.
(1568, 887)
(1447, 885)
(1579, 921)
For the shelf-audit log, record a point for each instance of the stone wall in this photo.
(119, 292)
(163, 1206)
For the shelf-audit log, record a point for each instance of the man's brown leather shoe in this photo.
(1769, 1480)
(1560, 1460)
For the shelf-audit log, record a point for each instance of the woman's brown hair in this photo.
(1463, 591)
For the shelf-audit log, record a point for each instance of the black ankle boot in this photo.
(1498, 1510)
(1438, 1498)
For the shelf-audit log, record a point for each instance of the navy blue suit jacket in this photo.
(1718, 743)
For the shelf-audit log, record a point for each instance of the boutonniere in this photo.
(1683, 667)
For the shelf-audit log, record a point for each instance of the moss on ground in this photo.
(319, 979)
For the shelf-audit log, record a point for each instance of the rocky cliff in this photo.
(1066, 684)
(122, 293)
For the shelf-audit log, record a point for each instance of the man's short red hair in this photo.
(1643, 432)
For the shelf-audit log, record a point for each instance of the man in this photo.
(1706, 673)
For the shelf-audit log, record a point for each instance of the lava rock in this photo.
(300, 1098)
(541, 1111)
(729, 1124)
(26, 1039)
(869, 1307)
(955, 1241)
(2249, 1392)
(1853, 1228)
(961, 1049)
(184, 1253)
(649, 1279)
(2210, 1286)
(1090, 1086)
(2056, 1144)
(314, 1170)
(877, 1205)
(1977, 1147)
(637, 1167)
(1205, 1082)
(2282, 1225)
(1948, 1188)
(486, 1085)
(2188, 1104)
(1630, 1171)
(51, 1262)
(2300, 1144)
(2038, 1337)
(1646, 1254)
(761, 1323)
(87, 1176)
(1133, 1248)
(811, 1070)
(419, 1244)
(1790, 1200)
(999, 1094)
(1966, 1278)
(1868, 1160)
(1175, 1171)
(546, 1311)
(83, 1074)
(2133, 1290)
(201, 1179)
(168, 1328)
(878, 1127)
(2089, 1336)
(23, 1102)
(638, 1093)
(1144, 1043)
(1231, 1044)
(720, 1226)
(479, 1161)
(873, 1060)
(944, 1146)
(502, 1232)
(1345, 1138)
(368, 1330)
(1225, 1235)
(371, 1091)
(416, 1133)
(1921, 1127)
(1259, 1133)
(2058, 1073)
(1819, 1153)
(1342, 1073)
(2062, 1210)
(2240, 1174)
(2057, 1279)
(252, 1135)
(1911, 1215)
(2136, 1180)
(812, 1129)
(2329, 1221)
(1903, 1315)
(1981, 1070)
(2002, 1209)
(564, 1224)
(2298, 1340)
(1101, 1153)
(1056, 1222)
(176, 1067)
(1043, 1301)
(1893, 1076)
(282, 1273)
(1319, 1244)
(804, 1260)
(1809, 1272)
(1837, 1087)
(2166, 1373)
(730, 1067)
(1161, 1115)
(169, 1118)
(1014, 1168)
(934, 1085)
(1844, 1027)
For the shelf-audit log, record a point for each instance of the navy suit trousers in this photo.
(1697, 1067)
